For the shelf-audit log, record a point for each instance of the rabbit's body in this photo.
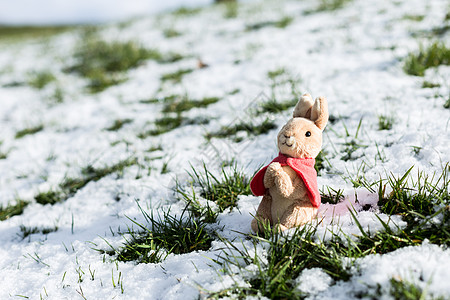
(287, 190)
(289, 183)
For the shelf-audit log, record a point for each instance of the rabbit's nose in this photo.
(289, 140)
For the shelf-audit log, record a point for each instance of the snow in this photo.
(47, 12)
(352, 56)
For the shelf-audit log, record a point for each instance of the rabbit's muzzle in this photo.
(288, 140)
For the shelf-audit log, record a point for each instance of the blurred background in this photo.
(54, 12)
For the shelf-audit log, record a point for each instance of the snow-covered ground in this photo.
(353, 56)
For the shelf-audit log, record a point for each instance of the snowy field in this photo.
(81, 153)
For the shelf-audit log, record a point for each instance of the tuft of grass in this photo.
(104, 63)
(171, 33)
(440, 30)
(25, 32)
(249, 128)
(27, 231)
(352, 143)
(161, 236)
(404, 290)
(275, 74)
(447, 102)
(385, 122)
(423, 203)
(321, 158)
(287, 256)
(273, 106)
(168, 123)
(50, 197)
(118, 124)
(39, 80)
(410, 198)
(231, 9)
(11, 210)
(89, 173)
(332, 196)
(328, 5)
(179, 104)
(281, 23)
(27, 131)
(419, 202)
(280, 81)
(186, 11)
(331, 5)
(58, 96)
(176, 76)
(415, 18)
(435, 55)
(3, 155)
(149, 101)
(429, 85)
(223, 191)
(70, 186)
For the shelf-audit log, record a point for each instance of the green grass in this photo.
(28, 131)
(70, 186)
(415, 18)
(27, 32)
(3, 155)
(447, 102)
(160, 236)
(89, 173)
(223, 191)
(27, 231)
(11, 210)
(231, 9)
(331, 195)
(281, 23)
(287, 256)
(440, 30)
(171, 33)
(328, 5)
(39, 80)
(331, 5)
(178, 104)
(186, 11)
(249, 128)
(416, 199)
(435, 55)
(421, 202)
(104, 63)
(273, 106)
(50, 197)
(281, 80)
(275, 74)
(352, 143)
(404, 290)
(118, 124)
(385, 122)
(177, 76)
(168, 123)
(321, 158)
(429, 85)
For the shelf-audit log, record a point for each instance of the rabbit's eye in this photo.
(308, 134)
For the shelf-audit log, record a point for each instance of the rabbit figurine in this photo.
(289, 183)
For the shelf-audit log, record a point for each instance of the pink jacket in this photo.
(304, 167)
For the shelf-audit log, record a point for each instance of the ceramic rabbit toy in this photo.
(289, 183)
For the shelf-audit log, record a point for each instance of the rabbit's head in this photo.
(301, 137)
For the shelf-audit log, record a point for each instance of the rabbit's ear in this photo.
(303, 107)
(319, 112)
